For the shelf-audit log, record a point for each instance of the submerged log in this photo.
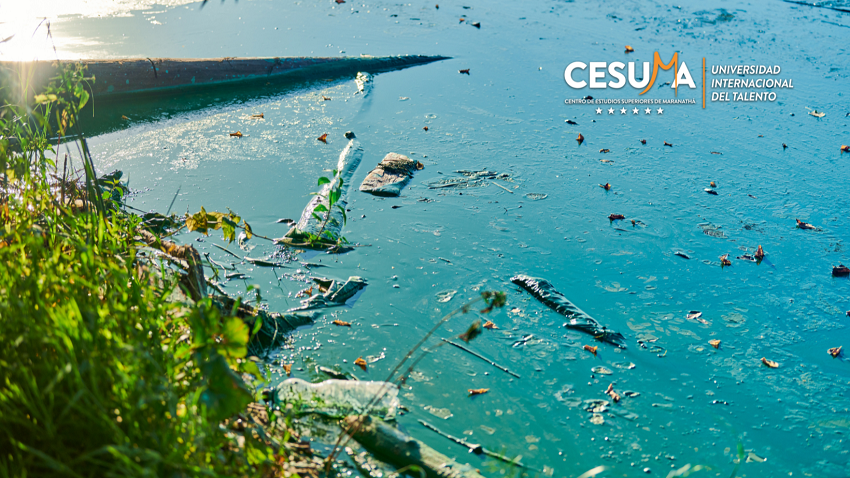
(390, 175)
(543, 291)
(136, 75)
(400, 450)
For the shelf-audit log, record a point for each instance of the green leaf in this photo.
(323, 180)
(320, 208)
(225, 394)
(333, 196)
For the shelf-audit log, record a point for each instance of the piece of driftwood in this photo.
(473, 447)
(476, 354)
(136, 75)
(543, 291)
(390, 175)
(390, 445)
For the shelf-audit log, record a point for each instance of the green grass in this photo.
(100, 373)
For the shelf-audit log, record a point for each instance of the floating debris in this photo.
(714, 343)
(490, 325)
(616, 217)
(611, 393)
(446, 295)
(390, 175)
(629, 49)
(464, 72)
(711, 230)
(710, 191)
(835, 351)
(759, 253)
(591, 349)
(341, 323)
(335, 293)
(477, 391)
(323, 138)
(681, 254)
(840, 271)
(805, 225)
(601, 370)
(817, 114)
(363, 82)
(237, 134)
(769, 363)
(571, 122)
(580, 139)
(724, 260)
(331, 220)
(605, 186)
(668, 144)
(543, 291)
(536, 196)
(604, 150)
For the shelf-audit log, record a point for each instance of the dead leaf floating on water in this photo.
(629, 49)
(759, 253)
(462, 20)
(259, 115)
(126, 118)
(340, 1)
(476, 25)
(668, 144)
(614, 217)
(580, 138)
(714, 343)
(643, 141)
(341, 323)
(712, 184)
(840, 271)
(693, 315)
(601, 370)
(604, 150)
(724, 260)
(817, 114)
(360, 363)
(464, 72)
(769, 363)
(716, 152)
(323, 138)
(477, 391)
(835, 351)
(605, 186)
(591, 349)
(784, 146)
(804, 225)
(325, 98)
(425, 128)
(490, 325)
(237, 134)
(845, 148)
(288, 369)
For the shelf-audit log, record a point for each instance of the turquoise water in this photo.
(695, 403)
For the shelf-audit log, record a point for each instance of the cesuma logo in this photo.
(597, 76)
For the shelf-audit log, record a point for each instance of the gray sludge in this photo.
(543, 291)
